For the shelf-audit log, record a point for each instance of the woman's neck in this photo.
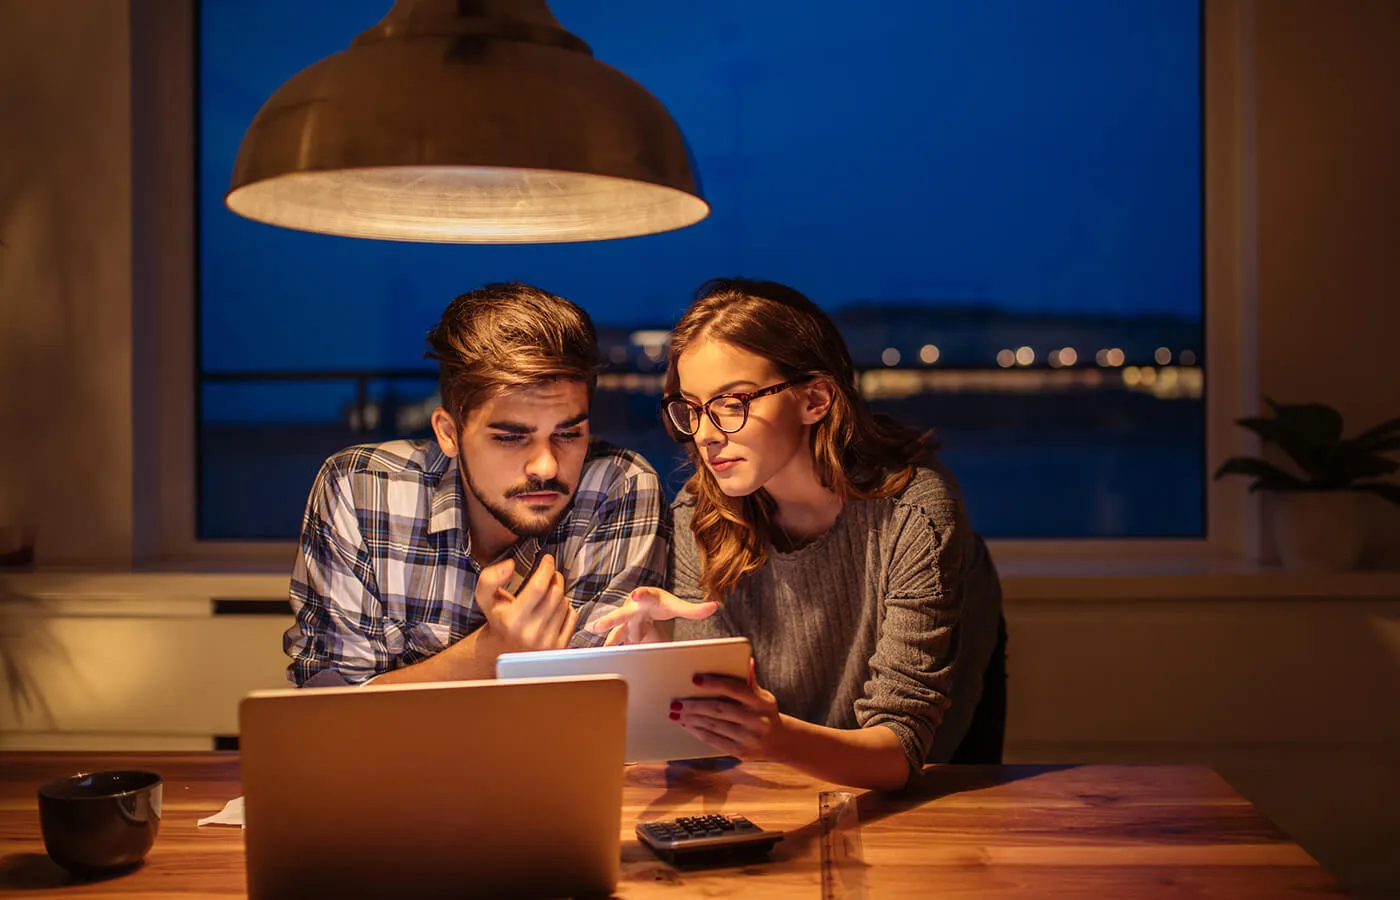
(806, 510)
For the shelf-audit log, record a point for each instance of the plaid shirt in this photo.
(384, 576)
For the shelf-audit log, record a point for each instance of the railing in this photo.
(876, 383)
(360, 377)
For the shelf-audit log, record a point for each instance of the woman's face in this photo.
(773, 436)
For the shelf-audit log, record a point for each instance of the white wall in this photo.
(65, 276)
(1329, 214)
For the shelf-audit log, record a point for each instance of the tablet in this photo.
(655, 674)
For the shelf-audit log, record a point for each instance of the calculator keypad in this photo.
(694, 834)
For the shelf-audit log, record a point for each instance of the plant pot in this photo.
(1318, 531)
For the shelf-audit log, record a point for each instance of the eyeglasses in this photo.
(728, 412)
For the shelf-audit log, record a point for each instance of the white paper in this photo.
(231, 814)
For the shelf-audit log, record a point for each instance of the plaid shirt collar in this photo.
(448, 497)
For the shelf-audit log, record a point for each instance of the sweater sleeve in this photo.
(926, 545)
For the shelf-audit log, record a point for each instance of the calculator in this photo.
(705, 838)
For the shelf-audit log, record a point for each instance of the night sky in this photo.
(1030, 154)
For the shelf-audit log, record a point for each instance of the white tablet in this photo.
(655, 674)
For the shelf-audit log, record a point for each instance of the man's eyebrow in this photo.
(522, 428)
(512, 427)
(725, 388)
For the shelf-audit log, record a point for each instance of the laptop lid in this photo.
(454, 789)
(656, 674)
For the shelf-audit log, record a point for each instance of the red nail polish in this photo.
(697, 680)
(675, 716)
(676, 706)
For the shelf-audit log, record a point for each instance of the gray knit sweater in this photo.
(889, 618)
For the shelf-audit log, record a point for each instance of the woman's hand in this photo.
(743, 721)
(635, 621)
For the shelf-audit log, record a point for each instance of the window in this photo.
(1000, 203)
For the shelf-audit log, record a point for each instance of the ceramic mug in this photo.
(100, 823)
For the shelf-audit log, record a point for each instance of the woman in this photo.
(831, 538)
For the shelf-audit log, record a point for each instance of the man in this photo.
(425, 560)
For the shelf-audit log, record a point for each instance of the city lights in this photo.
(1187, 358)
(928, 354)
(1068, 357)
(890, 356)
(1006, 359)
(1114, 356)
(1025, 356)
(1163, 356)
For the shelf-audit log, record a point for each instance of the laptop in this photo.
(656, 674)
(455, 789)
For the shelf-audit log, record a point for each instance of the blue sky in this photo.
(1030, 154)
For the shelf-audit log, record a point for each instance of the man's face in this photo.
(520, 455)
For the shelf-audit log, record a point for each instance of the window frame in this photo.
(164, 39)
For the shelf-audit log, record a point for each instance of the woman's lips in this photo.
(723, 464)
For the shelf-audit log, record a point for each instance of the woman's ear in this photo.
(817, 399)
(445, 430)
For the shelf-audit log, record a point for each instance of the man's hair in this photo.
(509, 335)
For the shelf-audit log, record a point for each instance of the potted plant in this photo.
(1317, 521)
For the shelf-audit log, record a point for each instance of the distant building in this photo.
(962, 336)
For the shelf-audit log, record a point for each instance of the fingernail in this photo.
(697, 680)
(675, 717)
(675, 706)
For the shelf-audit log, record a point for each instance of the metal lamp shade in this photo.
(480, 122)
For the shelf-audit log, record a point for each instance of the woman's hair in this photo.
(858, 455)
(508, 335)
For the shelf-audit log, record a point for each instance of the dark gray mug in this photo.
(100, 823)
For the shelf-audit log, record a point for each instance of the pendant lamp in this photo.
(466, 121)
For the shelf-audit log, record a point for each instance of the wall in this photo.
(65, 277)
(1329, 213)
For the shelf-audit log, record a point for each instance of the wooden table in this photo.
(963, 831)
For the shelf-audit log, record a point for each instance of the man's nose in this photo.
(542, 465)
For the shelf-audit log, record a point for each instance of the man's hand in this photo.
(537, 617)
(635, 621)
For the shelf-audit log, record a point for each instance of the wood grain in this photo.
(1005, 831)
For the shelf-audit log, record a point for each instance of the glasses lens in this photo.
(729, 414)
(683, 416)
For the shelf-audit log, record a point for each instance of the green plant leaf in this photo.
(1347, 462)
(1270, 430)
(1381, 432)
(1281, 435)
(1314, 423)
(1269, 477)
(1386, 490)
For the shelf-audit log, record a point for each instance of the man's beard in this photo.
(528, 525)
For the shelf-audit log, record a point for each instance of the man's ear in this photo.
(445, 429)
(818, 396)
